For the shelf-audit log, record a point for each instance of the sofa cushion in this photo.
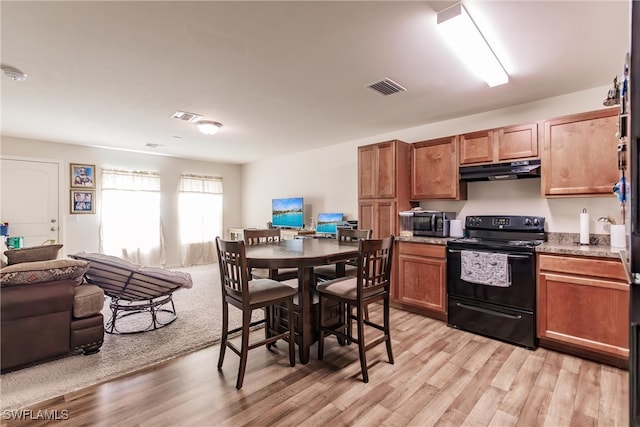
(43, 271)
(88, 300)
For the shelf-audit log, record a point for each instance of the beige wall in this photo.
(327, 178)
(80, 232)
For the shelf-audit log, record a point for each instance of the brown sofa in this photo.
(47, 311)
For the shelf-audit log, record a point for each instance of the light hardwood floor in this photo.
(441, 376)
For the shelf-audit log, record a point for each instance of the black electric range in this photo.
(491, 277)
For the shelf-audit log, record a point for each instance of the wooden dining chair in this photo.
(248, 295)
(372, 283)
(324, 273)
(268, 235)
(329, 272)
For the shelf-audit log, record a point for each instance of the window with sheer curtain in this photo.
(130, 225)
(200, 218)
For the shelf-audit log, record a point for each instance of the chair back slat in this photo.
(256, 237)
(233, 266)
(374, 264)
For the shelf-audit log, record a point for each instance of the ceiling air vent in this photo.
(187, 117)
(386, 87)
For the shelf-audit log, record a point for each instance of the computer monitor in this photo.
(327, 222)
(287, 213)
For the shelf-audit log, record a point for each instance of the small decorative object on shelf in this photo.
(613, 96)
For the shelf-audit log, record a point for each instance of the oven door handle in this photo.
(456, 251)
(487, 311)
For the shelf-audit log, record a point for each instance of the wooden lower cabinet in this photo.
(583, 307)
(421, 279)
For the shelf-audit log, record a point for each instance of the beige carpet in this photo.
(197, 326)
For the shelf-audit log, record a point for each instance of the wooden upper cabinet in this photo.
(377, 170)
(383, 170)
(499, 145)
(580, 156)
(383, 185)
(366, 171)
(476, 147)
(434, 170)
(517, 142)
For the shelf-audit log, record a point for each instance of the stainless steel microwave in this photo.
(425, 223)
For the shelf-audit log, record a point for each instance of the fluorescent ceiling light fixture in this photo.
(208, 127)
(462, 35)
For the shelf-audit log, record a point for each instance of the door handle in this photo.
(53, 220)
(487, 311)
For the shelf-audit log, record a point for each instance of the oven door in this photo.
(521, 294)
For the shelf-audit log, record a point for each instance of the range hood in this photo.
(501, 171)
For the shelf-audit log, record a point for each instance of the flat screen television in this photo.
(287, 213)
(328, 222)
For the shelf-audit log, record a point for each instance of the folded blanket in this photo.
(485, 268)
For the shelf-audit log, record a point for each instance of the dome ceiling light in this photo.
(13, 73)
(208, 127)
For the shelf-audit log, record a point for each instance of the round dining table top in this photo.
(300, 253)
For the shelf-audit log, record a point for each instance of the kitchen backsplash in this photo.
(522, 197)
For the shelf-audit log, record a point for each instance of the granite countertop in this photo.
(567, 243)
(557, 243)
(604, 251)
(428, 240)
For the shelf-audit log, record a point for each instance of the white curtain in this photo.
(200, 218)
(130, 225)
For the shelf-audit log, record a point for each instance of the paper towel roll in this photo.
(455, 228)
(584, 227)
(618, 236)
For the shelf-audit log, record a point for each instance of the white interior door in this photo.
(29, 200)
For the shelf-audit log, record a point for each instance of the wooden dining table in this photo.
(303, 254)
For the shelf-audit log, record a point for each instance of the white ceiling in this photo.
(282, 77)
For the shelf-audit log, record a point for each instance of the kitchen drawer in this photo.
(583, 266)
(421, 249)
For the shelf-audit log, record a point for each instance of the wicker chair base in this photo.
(150, 314)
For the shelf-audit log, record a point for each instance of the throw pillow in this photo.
(43, 271)
(33, 253)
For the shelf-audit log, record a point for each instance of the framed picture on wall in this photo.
(83, 201)
(83, 176)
